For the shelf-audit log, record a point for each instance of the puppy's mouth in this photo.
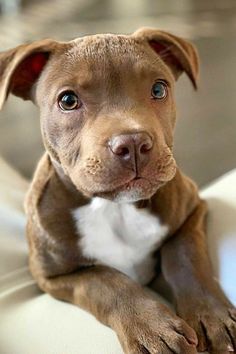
(138, 186)
(136, 182)
(116, 183)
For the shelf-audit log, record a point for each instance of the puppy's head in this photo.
(107, 106)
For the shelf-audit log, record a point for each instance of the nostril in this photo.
(144, 148)
(122, 151)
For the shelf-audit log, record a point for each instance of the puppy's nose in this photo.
(132, 148)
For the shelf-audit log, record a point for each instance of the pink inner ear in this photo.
(158, 47)
(37, 62)
(27, 73)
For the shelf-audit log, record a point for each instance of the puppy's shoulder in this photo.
(41, 177)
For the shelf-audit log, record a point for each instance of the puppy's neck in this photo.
(64, 178)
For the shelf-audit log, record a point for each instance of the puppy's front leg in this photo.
(142, 324)
(199, 298)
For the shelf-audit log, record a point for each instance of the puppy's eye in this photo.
(69, 101)
(159, 90)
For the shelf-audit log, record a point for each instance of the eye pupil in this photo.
(69, 101)
(159, 90)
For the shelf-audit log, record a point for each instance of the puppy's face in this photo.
(108, 112)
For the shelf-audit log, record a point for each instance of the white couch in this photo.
(34, 323)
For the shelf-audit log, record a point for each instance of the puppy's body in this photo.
(131, 232)
(107, 193)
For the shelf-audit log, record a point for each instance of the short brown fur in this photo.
(114, 74)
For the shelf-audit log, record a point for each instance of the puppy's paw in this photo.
(154, 330)
(215, 325)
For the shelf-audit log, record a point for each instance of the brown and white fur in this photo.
(107, 202)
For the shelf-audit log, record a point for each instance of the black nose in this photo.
(133, 149)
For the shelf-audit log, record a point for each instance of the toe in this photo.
(181, 346)
(185, 330)
(232, 314)
(202, 337)
(231, 330)
(219, 339)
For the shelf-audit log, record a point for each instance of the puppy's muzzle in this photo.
(132, 150)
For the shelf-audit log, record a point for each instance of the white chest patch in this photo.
(120, 236)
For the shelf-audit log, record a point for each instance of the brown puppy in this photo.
(107, 193)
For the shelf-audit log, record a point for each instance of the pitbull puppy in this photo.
(107, 194)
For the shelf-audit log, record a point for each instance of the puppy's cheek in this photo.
(91, 175)
(161, 168)
(93, 166)
(167, 170)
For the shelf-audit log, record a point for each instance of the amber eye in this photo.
(69, 101)
(159, 90)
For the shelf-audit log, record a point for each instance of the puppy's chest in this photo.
(120, 236)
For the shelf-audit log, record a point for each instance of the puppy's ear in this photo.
(179, 54)
(21, 67)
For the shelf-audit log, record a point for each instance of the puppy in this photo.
(107, 193)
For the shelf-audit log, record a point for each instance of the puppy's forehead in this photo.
(103, 48)
(100, 56)
(110, 62)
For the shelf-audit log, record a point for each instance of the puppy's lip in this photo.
(135, 182)
(137, 185)
(138, 180)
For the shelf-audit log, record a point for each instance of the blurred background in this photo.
(205, 138)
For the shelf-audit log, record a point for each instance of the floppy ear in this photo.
(179, 54)
(21, 67)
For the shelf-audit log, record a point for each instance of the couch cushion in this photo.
(221, 199)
